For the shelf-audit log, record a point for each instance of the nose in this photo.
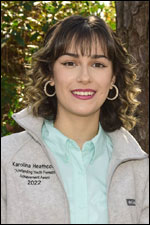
(84, 75)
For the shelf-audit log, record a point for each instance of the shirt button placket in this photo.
(81, 192)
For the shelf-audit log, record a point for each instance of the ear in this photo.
(52, 83)
(113, 80)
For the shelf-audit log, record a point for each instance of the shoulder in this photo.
(123, 135)
(11, 144)
(125, 145)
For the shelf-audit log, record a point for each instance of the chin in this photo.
(86, 113)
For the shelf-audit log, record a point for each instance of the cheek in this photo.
(58, 76)
(62, 77)
(104, 82)
(60, 82)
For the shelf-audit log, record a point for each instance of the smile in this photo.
(83, 94)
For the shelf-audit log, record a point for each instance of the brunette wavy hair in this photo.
(83, 31)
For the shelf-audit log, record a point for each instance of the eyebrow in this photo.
(92, 56)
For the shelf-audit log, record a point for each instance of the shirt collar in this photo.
(102, 143)
(55, 139)
(95, 147)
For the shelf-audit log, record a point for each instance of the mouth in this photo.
(83, 94)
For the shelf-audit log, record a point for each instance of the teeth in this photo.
(83, 93)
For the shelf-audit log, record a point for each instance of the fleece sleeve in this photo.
(3, 197)
(144, 218)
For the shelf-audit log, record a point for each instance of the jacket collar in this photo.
(29, 122)
(125, 147)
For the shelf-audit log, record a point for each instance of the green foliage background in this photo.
(24, 24)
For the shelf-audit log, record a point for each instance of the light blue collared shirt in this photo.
(84, 173)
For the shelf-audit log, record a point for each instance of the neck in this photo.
(79, 129)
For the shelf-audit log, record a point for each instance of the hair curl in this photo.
(84, 30)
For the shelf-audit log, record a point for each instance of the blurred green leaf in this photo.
(50, 9)
(10, 113)
(15, 23)
(28, 26)
(28, 6)
(7, 18)
(45, 27)
(34, 36)
(101, 6)
(19, 39)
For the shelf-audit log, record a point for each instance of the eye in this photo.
(69, 64)
(99, 65)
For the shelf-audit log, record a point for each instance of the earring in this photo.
(117, 92)
(45, 87)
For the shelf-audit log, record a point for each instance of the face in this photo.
(82, 83)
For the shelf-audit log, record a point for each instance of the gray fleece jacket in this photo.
(32, 188)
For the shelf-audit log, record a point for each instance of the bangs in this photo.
(87, 44)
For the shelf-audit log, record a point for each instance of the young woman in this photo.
(76, 162)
